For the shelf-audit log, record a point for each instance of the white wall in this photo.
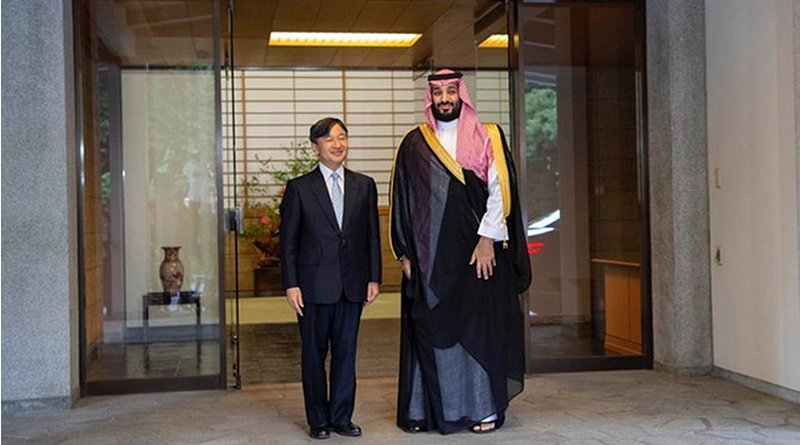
(751, 141)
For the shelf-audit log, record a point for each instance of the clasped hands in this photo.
(482, 257)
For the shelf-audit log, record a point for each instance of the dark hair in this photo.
(323, 127)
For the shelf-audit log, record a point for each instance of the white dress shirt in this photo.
(326, 175)
(492, 225)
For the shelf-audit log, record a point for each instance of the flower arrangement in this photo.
(263, 195)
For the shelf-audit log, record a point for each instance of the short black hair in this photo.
(323, 127)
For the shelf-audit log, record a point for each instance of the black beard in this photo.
(451, 116)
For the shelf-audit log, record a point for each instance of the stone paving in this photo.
(621, 407)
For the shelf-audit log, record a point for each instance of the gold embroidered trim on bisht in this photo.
(441, 152)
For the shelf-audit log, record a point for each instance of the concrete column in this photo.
(679, 213)
(796, 49)
(39, 225)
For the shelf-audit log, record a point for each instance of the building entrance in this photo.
(377, 89)
(194, 114)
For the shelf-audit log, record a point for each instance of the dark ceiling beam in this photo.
(486, 24)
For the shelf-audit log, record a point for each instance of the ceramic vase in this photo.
(171, 270)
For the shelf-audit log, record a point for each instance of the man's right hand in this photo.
(406, 264)
(295, 298)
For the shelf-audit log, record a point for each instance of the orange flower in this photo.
(266, 220)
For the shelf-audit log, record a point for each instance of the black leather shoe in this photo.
(319, 432)
(348, 430)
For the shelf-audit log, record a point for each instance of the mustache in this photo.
(451, 103)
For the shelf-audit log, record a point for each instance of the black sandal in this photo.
(483, 427)
(414, 427)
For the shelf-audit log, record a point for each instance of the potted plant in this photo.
(262, 197)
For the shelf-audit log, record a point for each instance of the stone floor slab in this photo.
(600, 408)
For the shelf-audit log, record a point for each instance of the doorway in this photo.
(277, 92)
(148, 89)
(580, 103)
(191, 120)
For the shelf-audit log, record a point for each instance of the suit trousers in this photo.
(335, 325)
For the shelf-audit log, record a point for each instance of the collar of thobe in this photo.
(442, 125)
(447, 132)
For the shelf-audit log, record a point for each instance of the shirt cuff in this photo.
(493, 231)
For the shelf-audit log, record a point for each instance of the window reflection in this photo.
(148, 133)
(581, 160)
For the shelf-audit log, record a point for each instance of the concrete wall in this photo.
(752, 156)
(39, 206)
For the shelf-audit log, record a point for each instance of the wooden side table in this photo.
(165, 298)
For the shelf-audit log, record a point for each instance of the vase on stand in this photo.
(171, 270)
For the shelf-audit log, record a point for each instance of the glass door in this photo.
(234, 216)
(580, 93)
(148, 83)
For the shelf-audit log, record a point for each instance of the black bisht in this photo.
(434, 223)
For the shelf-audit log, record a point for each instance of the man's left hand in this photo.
(483, 258)
(373, 289)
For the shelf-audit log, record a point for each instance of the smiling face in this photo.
(332, 148)
(446, 102)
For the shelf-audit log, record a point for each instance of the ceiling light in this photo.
(352, 39)
(495, 41)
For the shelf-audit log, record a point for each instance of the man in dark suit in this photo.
(331, 260)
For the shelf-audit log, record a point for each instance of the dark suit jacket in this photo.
(318, 257)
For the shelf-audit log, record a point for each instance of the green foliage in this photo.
(541, 127)
(541, 136)
(262, 201)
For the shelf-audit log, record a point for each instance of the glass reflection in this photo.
(148, 126)
(584, 223)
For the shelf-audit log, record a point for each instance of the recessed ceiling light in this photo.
(351, 39)
(495, 41)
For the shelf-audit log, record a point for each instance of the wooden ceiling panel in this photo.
(419, 19)
(253, 18)
(379, 16)
(458, 12)
(338, 16)
(389, 59)
(185, 28)
(251, 59)
(348, 57)
(449, 34)
(250, 46)
(294, 10)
